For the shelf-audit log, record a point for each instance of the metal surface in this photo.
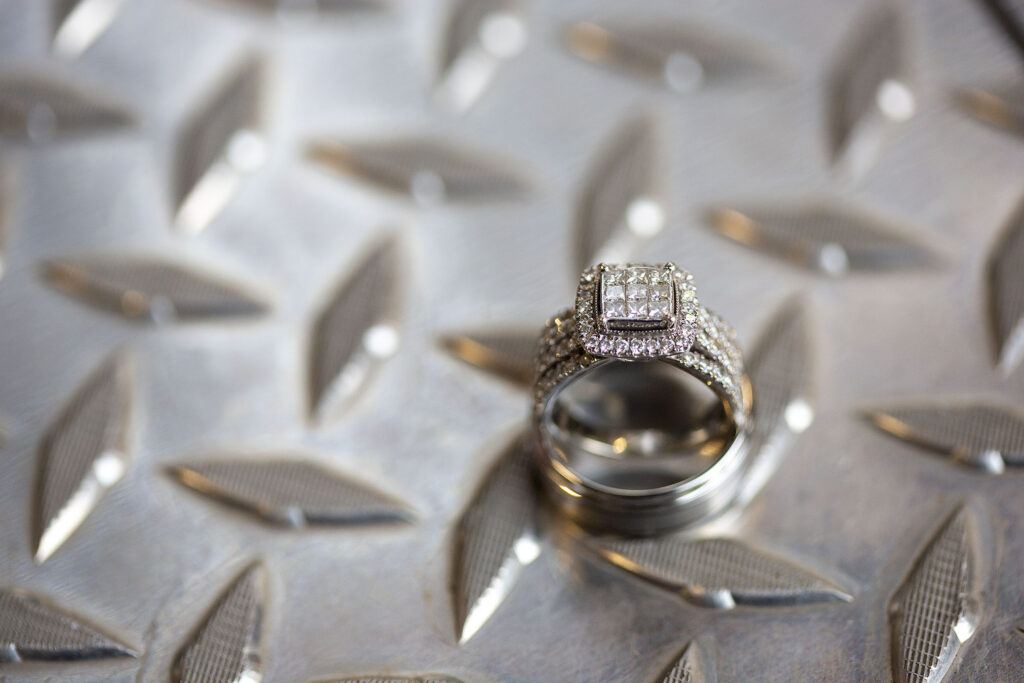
(190, 191)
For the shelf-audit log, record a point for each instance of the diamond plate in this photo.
(985, 436)
(218, 144)
(5, 199)
(285, 8)
(1000, 106)
(1006, 291)
(932, 614)
(619, 203)
(226, 646)
(292, 492)
(780, 366)
(867, 90)
(718, 573)
(343, 352)
(689, 667)
(149, 289)
(927, 92)
(394, 679)
(428, 171)
(495, 539)
(479, 36)
(77, 24)
(32, 630)
(1010, 18)
(834, 239)
(84, 454)
(41, 108)
(683, 58)
(507, 354)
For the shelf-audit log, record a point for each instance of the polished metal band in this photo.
(709, 353)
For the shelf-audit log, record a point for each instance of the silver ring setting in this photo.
(642, 314)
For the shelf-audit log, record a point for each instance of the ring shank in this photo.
(715, 360)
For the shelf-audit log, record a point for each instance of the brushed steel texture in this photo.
(472, 140)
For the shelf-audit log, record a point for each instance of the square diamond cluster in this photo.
(635, 295)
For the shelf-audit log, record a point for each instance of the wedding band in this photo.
(668, 463)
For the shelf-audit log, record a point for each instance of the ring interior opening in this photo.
(639, 425)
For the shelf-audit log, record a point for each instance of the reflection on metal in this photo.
(219, 144)
(291, 492)
(1001, 107)
(689, 667)
(40, 109)
(867, 90)
(620, 204)
(682, 58)
(354, 331)
(226, 646)
(149, 289)
(933, 614)
(779, 366)
(1006, 292)
(988, 437)
(506, 354)
(480, 35)
(719, 573)
(78, 23)
(825, 236)
(32, 630)
(83, 455)
(429, 172)
(495, 539)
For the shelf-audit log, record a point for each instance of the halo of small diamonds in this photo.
(636, 310)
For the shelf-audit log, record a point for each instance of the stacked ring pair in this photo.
(608, 466)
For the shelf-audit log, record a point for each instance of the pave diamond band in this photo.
(639, 313)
